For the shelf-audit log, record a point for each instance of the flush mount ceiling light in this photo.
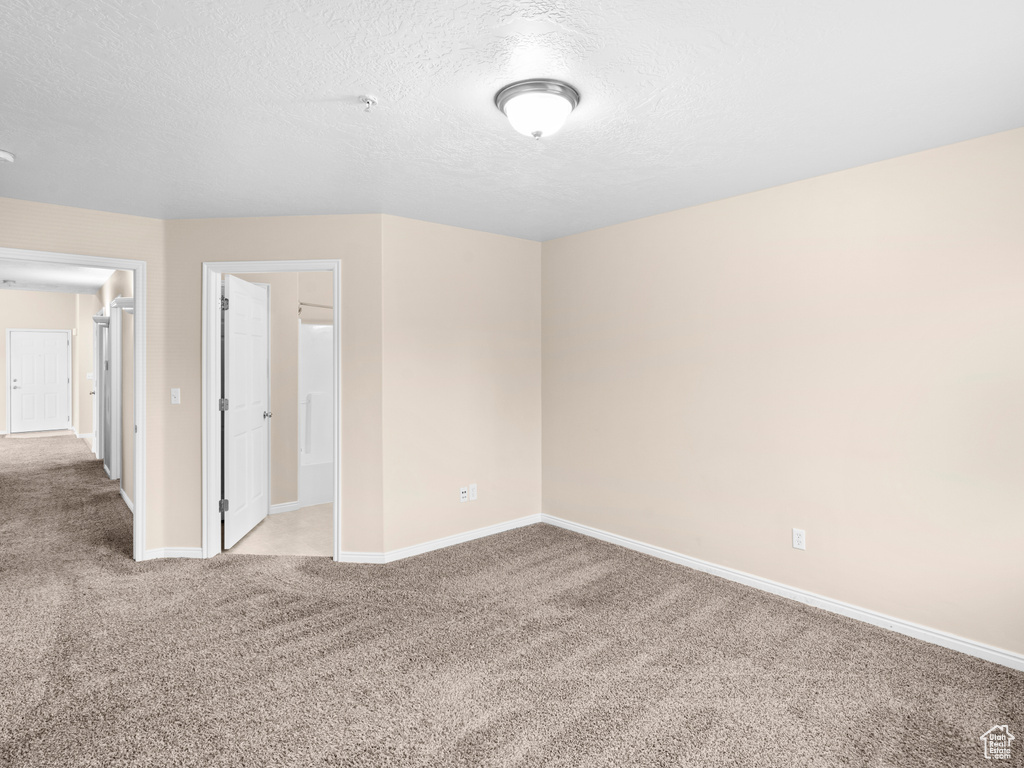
(537, 107)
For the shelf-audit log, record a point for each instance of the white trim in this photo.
(116, 406)
(190, 552)
(71, 374)
(212, 271)
(127, 501)
(87, 435)
(430, 546)
(917, 631)
(288, 506)
(97, 384)
(139, 268)
(459, 538)
(376, 558)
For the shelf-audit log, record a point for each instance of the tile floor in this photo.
(308, 531)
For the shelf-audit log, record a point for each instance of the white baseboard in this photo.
(154, 554)
(918, 631)
(131, 507)
(362, 557)
(459, 538)
(430, 546)
(87, 435)
(288, 506)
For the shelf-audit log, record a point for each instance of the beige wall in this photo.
(843, 355)
(284, 383)
(315, 288)
(354, 239)
(461, 336)
(40, 310)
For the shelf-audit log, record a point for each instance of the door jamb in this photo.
(212, 272)
(10, 429)
(138, 268)
(97, 385)
(114, 335)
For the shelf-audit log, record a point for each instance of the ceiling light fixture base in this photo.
(537, 107)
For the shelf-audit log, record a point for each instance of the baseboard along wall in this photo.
(190, 552)
(917, 631)
(430, 546)
(288, 506)
(124, 496)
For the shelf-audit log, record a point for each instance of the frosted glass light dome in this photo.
(537, 108)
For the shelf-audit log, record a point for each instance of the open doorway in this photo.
(271, 389)
(65, 377)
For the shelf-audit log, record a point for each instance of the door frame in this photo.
(10, 426)
(138, 269)
(211, 378)
(100, 382)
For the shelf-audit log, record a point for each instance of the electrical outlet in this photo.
(799, 539)
(463, 493)
(175, 396)
(472, 491)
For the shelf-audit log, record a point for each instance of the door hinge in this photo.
(223, 505)
(224, 302)
(223, 403)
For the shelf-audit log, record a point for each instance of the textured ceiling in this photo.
(43, 276)
(204, 108)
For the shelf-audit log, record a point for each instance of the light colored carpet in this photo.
(536, 647)
(308, 532)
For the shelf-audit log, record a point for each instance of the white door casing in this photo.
(213, 273)
(113, 389)
(38, 380)
(246, 449)
(106, 430)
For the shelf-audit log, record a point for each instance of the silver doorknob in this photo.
(268, 415)
(15, 387)
(93, 392)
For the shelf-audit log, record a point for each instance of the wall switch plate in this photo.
(472, 491)
(463, 493)
(175, 396)
(89, 377)
(799, 539)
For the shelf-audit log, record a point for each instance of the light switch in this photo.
(89, 376)
(175, 396)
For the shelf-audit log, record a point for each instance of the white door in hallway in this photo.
(39, 380)
(246, 434)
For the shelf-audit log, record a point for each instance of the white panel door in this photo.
(40, 383)
(246, 427)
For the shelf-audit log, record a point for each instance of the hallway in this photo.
(56, 502)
